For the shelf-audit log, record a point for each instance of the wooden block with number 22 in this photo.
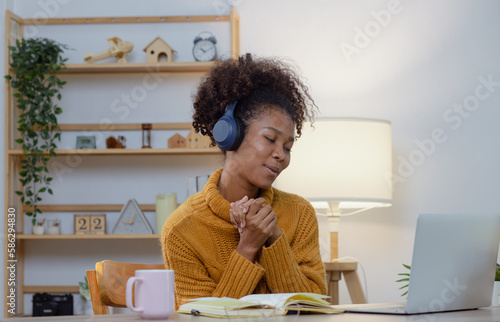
(90, 224)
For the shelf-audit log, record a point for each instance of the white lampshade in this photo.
(343, 161)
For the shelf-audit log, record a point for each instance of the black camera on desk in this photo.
(50, 304)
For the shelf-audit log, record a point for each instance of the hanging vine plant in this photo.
(34, 65)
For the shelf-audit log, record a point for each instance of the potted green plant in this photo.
(85, 296)
(34, 66)
(84, 289)
(405, 279)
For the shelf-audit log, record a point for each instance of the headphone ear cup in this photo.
(225, 132)
(239, 134)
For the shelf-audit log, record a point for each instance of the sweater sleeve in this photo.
(192, 279)
(296, 266)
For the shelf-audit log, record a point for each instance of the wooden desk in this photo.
(334, 272)
(491, 314)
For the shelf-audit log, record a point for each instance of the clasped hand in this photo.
(256, 223)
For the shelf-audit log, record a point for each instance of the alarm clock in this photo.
(204, 47)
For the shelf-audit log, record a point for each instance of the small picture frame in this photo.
(85, 142)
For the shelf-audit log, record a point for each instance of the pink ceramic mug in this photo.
(154, 293)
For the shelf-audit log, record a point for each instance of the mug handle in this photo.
(128, 293)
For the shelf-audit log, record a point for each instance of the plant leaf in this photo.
(34, 65)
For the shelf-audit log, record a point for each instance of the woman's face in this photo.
(265, 150)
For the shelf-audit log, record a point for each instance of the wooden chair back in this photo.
(108, 281)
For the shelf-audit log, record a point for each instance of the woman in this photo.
(239, 235)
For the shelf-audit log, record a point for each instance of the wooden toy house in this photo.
(159, 51)
(176, 141)
(195, 140)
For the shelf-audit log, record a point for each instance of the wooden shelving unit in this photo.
(13, 154)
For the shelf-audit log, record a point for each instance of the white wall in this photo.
(427, 57)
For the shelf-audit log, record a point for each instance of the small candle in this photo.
(165, 204)
(53, 230)
(54, 227)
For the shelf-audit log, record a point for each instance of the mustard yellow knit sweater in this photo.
(199, 244)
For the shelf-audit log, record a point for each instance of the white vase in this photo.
(495, 300)
(38, 230)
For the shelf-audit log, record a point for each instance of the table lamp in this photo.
(343, 165)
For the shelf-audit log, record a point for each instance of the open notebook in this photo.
(257, 305)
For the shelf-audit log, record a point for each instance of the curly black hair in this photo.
(258, 85)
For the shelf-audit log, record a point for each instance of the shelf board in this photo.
(124, 127)
(119, 20)
(88, 208)
(173, 151)
(70, 236)
(50, 289)
(174, 67)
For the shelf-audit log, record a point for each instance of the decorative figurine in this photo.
(176, 141)
(197, 141)
(117, 48)
(112, 143)
(159, 51)
(123, 140)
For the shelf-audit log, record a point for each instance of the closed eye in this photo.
(274, 141)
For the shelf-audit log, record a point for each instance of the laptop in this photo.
(453, 265)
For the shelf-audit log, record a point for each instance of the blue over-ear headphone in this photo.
(228, 131)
